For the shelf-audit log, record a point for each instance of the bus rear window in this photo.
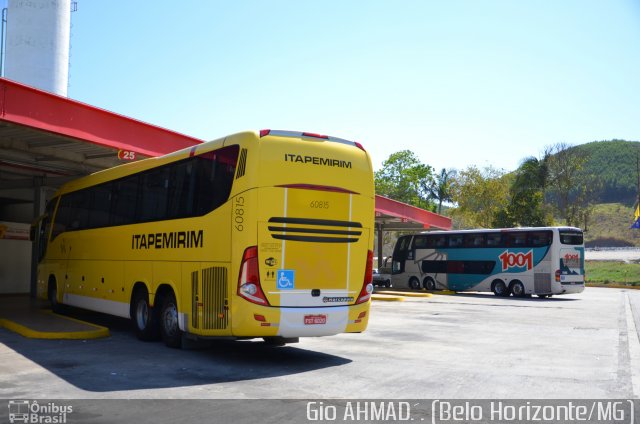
(571, 237)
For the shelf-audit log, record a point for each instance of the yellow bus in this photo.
(265, 234)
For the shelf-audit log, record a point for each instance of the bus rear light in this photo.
(259, 317)
(362, 314)
(298, 134)
(557, 275)
(249, 278)
(314, 135)
(367, 286)
(365, 293)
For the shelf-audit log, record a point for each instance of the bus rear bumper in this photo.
(570, 288)
(303, 321)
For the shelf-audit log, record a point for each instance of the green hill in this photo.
(609, 226)
(614, 162)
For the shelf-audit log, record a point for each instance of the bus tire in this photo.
(499, 288)
(144, 317)
(169, 327)
(517, 288)
(52, 296)
(429, 284)
(414, 283)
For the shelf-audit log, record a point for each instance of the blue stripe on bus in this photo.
(467, 281)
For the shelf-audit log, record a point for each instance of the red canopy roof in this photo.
(74, 136)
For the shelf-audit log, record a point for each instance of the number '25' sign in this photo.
(126, 155)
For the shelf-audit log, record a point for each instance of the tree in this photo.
(442, 187)
(404, 178)
(480, 195)
(570, 192)
(526, 196)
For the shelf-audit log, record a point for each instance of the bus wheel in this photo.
(429, 284)
(52, 295)
(387, 283)
(145, 321)
(414, 283)
(517, 288)
(171, 333)
(500, 289)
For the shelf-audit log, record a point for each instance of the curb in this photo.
(444, 292)
(611, 286)
(387, 298)
(418, 293)
(99, 331)
(407, 294)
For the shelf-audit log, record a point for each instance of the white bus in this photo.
(521, 261)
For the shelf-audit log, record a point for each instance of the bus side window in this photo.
(81, 203)
(123, 201)
(474, 240)
(542, 238)
(153, 205)
(45, 227)
(419, 242)
(441, 241)
(430, 241)
(100, 205)
(214, 178)
(494, 240)
(181, 190)
(455, 240)
(517, 239)
(61, 219)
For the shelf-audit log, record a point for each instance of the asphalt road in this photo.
(462, 346)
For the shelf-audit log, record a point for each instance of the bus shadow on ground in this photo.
(121, 362)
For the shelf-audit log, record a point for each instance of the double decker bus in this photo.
(519, 261)
(265, 234)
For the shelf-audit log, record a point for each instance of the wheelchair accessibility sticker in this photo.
(286, 279)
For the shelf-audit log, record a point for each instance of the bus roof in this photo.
(494, 230)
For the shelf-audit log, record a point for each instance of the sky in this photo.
(459, 83)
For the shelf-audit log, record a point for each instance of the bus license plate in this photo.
(315, 319)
